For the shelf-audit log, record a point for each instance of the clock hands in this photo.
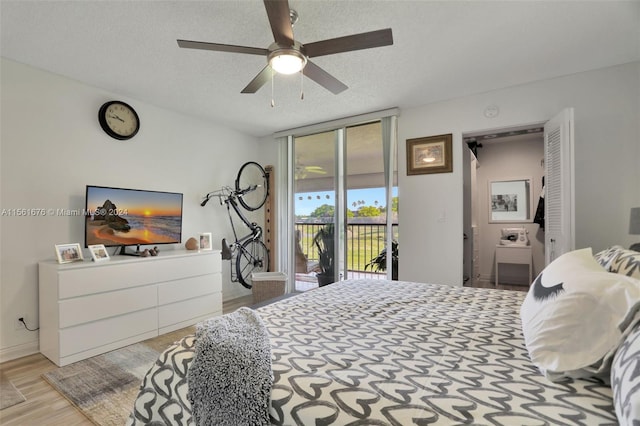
(117, 118)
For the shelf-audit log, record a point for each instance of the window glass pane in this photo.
(366, 202)
(314, 207)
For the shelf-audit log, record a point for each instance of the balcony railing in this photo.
(364, 241)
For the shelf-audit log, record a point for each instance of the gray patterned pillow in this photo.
(625, 380)
(627, 262)
(606, 257)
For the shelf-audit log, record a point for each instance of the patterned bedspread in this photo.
(400, 353)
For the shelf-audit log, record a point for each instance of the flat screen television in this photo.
(132, 217)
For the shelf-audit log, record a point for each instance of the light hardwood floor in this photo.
(44, 406)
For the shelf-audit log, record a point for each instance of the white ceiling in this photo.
(441, 50)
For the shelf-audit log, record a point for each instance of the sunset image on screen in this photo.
(125, 217)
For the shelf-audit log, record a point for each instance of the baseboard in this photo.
(511, 280)
(19, 351)
(506, 279)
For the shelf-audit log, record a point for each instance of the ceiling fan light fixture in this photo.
(287, 56)
(287, 61)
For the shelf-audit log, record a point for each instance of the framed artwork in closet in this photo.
(510, 200)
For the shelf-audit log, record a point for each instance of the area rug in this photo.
(105, 387)
(9, 395)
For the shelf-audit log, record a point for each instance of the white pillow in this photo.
(576, 315)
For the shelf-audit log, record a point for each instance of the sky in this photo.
(135, 202)
(307, 202)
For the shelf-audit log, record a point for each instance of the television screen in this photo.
(125, 217)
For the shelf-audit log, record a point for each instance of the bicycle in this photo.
(249, 252)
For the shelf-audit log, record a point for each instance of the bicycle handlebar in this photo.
(249, 189)
(227, 193)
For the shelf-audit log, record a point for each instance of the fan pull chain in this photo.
(301, 86)
(273, 103)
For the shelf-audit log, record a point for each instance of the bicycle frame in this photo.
(229, 197)
(249, 254)
(256, 230)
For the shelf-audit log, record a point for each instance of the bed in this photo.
(377, 352)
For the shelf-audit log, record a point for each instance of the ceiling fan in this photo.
(301, 170)
(288, 56)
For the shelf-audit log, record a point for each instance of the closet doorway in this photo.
(496, 156)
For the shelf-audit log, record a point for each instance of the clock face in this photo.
(119, 120)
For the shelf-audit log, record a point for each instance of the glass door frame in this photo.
(339, 210)
(286, 198)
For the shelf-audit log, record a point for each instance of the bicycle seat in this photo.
(226, 251)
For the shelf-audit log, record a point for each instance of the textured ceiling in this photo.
(441, 50)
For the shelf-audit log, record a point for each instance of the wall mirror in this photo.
(510, 200)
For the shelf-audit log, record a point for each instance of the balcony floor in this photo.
(309, 281)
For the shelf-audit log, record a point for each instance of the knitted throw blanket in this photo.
(230, 377)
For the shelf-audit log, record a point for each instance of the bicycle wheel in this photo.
(252, 174)
(253, 256)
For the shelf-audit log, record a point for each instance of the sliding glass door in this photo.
(366, 203)
(342, 206)
(315, 200)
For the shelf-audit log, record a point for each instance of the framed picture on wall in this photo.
(431, 154)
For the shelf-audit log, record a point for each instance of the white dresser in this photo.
(89, 308)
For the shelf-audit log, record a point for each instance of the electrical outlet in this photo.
(18, 324)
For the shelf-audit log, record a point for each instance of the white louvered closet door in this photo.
(559, 185)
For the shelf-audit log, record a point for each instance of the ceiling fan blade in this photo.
(280, 21)
(188, 44)
(350, 43)
(323, 78)
(259, 80)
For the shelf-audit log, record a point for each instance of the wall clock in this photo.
(119, 120)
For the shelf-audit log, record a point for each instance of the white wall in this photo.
(52, 147)
(607, 154)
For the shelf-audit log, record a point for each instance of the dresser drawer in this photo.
(90, 335)
(99, 306)
(188, 288)
(111, 276)
(190, 309)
